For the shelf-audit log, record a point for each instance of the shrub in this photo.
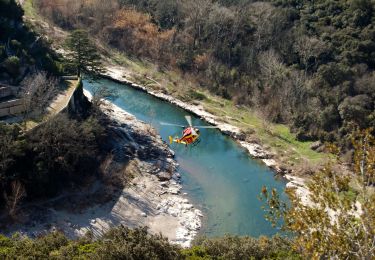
(356, 109)
(235, 247)
(195, 95)
(12, 66)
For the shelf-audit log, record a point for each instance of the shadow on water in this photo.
(218, 175)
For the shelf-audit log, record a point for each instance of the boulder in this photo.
(240, 136)
(164, 184)
(315, 145)
(164, 176)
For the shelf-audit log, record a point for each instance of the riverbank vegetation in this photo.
(124, 243)
(305, 64)
(336, 219)
(334, 222)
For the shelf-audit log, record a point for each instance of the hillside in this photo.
(274, 86)
(22, 51)
(307, 65)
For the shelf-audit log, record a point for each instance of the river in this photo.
(218, 175)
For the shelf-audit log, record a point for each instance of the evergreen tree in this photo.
(83, 58)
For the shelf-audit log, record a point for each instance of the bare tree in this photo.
(37, 92)
(99, 95)
(271, 65)
(309, 48)
(196, 13)
(17, 194)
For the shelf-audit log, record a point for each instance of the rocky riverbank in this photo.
(296, 181)
(139, 187)
(158, 185)
(256, 150)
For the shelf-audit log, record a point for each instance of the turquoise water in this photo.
(218, 175)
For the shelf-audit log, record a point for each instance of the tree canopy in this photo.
(308, 64)
(83, 56)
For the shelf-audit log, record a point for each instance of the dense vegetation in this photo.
(58, 152)
(124, 243)
(21, 50)
(309, 64)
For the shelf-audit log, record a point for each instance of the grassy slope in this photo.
(277, 137)
(30, 11)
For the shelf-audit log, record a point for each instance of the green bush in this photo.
(12, 66)
(235, 247)
(195, 95)
(195, 253)
(118, 243)
(356, 109)
(15, 44)
(125, 243)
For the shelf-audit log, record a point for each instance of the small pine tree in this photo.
(83, 57)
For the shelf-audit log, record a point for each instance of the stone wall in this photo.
(9, 105)
(5, 91)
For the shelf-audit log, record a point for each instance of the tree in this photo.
(334, 221)
(10, 145)
(83, 56)
(61, 144)
(99, 96)
(37, 92)
(309, 50)
(196, 13)
(18, 192)
(12, 66)
(356, 109)
(6, 158)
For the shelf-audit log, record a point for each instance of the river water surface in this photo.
(218, 175)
